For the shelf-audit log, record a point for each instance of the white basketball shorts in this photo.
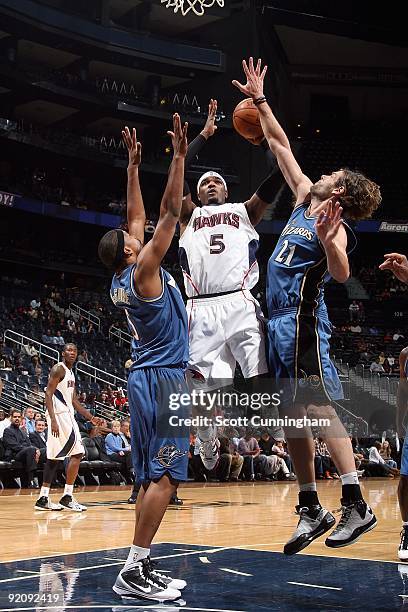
(225, 330)
(68, 442)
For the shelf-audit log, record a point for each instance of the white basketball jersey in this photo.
(218, 250)
(63, 394)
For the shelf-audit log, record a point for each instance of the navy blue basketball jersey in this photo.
(158, 326)
(297, 268)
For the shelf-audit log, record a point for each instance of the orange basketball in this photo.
(246, 121)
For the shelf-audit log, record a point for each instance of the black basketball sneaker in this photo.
(173, 583)
(313, 522)
(140, 581)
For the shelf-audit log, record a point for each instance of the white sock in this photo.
(405, 523)
(68, 490)
(206, 433)
(308, 486)
(136, 553)
(349, 478)
(44, 492)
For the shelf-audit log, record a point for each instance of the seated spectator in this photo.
(29, 421)
(71, 327)
(125, 429)
(17, 446)
(227, 448)
(35, 368)
(47, 338)
(374, 457)
(279, 450)
(83, 356)
(58, 339)
(38, 439)
(385, 453)
(327, 469)
(356, 329)
(4, 421)
(249, 447)
(221, 471)
(5, 364)
(118, 449)
(30, 350)
(377, 367)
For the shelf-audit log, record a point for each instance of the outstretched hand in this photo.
(133, 146)
(255, 78)
(179, 136)
(210, 127)
(398, 264)
(328, 223)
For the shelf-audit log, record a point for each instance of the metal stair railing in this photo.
(100, 375)
(81, 312)
(119, 335)
(43, 350)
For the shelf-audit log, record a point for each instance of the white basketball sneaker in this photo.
(356, 519)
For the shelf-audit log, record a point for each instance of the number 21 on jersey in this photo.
(285, 255)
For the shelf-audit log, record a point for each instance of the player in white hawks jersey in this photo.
(64, 437)
(217, 252)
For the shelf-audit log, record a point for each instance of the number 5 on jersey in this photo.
(216, 244)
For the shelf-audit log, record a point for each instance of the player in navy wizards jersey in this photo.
(157, 319)
(398, 265)
(312, 248)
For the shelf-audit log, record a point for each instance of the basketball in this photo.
(246, 121)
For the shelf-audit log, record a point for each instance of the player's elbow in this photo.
(340, 276)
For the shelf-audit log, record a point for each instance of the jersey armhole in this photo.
(139, 297)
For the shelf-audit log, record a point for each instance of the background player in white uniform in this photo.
(64, 437)
(398, 264)
(218, 245)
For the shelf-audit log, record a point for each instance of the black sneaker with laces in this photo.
(313, 523)
(403, 547)
(141, 582)
(356, 519)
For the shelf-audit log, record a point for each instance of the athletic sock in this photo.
(136, 554)
(44, 492)
(351, 478)
(351, 493)
(68, 490)
(308, 499)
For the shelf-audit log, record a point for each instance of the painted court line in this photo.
(83, 569)
(231, 571)
(204, 560)
(105, 606)
(316, 586)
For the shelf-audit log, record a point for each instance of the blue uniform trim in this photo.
(60, 397)
(67, 446)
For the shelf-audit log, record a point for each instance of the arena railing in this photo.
(81, 312)
(43, 350)
(100, 375)
(119, 335)
(109, 412)
(20, 398)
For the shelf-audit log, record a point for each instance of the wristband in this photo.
(259, 100)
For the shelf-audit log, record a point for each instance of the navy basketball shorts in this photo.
(404, 457)
(159, 447)
(299, 359)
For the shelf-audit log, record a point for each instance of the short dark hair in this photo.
(108, 250)
(14, 411)
(69, 344)
(362, 196)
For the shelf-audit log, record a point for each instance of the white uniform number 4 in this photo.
(282, 256)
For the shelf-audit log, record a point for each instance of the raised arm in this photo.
(333, 238)
(135, 208)
(275, 135)
(147, 272)
(194, 148)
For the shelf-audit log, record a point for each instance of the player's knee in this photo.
(321, 412)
